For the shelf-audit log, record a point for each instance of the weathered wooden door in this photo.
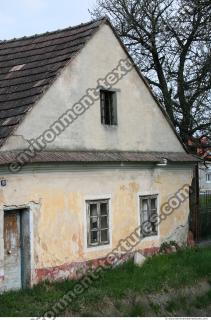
(12, 250)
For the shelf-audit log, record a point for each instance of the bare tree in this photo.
(170, 40)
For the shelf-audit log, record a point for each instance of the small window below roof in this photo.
(108, 105)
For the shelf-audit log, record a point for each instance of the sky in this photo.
(20, 18)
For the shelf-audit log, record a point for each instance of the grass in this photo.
(183, 304)
(205, 200)
(203, 301)
(136, 311)
(178, 304)
(159, 274)
(205, 214)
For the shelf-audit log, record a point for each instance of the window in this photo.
(149, 215)
(208, 177)
(98, 222)
(108, 107)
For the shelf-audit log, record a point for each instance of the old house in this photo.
(87, 156)
(200, 200)
(205, 176)
(205, 168)
(202, 148)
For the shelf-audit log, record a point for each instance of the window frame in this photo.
(148, 197)
(113, 117)
(99, 229)
(208, 177)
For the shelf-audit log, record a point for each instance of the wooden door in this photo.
(12, 251)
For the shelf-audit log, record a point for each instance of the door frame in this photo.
(25, 216)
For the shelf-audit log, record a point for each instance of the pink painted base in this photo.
(76, 270)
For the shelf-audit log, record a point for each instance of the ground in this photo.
(178, 284)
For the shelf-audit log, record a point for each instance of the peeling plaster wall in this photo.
(57, 205)
(141, 124)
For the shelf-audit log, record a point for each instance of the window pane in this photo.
(153, 203)
(144, 210)
(154, 228)
(104, 235)
(103, 209)
(94, 237)
(108, 107)
(93, 223)
(149, 214)
(208, 177)
(114, 109)
(102, 102)
(153, 214)
(144, 204)
(93, 209)
(104, 222)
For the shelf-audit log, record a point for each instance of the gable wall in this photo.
(141, 124)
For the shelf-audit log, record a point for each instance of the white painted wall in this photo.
(141, 124)
(203, 171)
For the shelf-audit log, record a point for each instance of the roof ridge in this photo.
(53, 32)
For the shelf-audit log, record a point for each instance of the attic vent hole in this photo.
(38, 83)
(17, 68)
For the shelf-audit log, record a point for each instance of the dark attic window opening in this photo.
(108, 104)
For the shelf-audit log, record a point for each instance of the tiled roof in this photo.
(29, 65)
(7, 157)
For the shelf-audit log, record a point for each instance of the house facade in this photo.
(205, 177)
(87, 156)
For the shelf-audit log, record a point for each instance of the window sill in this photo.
(99, 248)
(151, 238)
(110, 126)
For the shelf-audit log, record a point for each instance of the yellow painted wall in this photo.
(57, 200)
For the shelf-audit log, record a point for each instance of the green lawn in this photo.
(205, 216)
(110, 294)
(205, 200)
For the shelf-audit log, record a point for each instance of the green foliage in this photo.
(136, 311)
(165, 246)
(159, 273)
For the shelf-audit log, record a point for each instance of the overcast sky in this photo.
(27, 17)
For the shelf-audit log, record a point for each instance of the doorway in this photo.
(17, 249)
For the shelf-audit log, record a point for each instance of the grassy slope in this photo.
(159, 273)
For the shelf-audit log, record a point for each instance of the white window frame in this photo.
(113, 114)
(145, 194)
(103, 246)
(208, 177)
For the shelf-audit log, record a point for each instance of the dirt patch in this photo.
(171, 302)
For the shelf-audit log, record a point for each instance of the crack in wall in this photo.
(179, 234)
